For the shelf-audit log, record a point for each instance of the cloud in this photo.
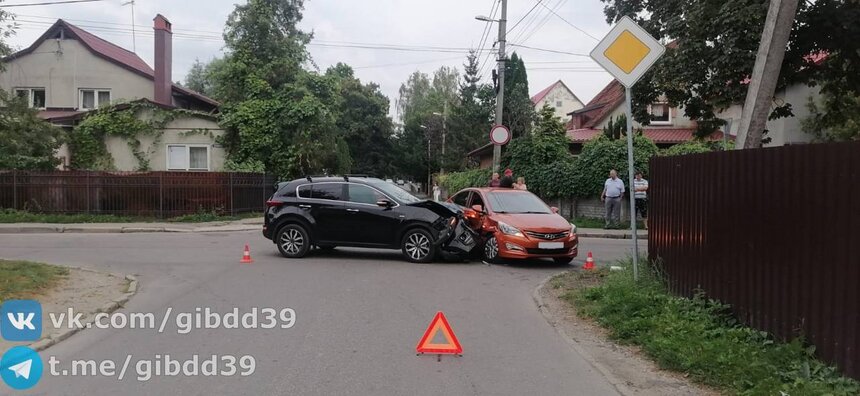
(439, 23)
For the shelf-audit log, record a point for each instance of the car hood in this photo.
(443, 209)
(534, 222)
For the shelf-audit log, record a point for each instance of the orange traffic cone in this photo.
(246, 257)
(589, 262)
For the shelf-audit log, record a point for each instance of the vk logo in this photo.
(21, 320)
(21, 368)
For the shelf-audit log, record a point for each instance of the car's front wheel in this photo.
(491, 250)
(293, 241)
(417, 246)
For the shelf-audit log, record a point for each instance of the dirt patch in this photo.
(85, 291)
(633, 373)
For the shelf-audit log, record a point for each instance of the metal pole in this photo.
(232, 204)
(631, 189)
(161, 195)
(500, 96)
(429, 178)
(15, 189)
(444, 132)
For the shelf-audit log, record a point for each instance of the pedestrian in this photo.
(640, 193)
(508, 180)
(437, 192)
(612, 195)
(521, 184)
(494, 182)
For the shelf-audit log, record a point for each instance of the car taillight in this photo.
(273, 204)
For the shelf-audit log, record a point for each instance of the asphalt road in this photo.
(359, 315)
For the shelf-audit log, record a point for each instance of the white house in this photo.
(559, 97)
(68, 71)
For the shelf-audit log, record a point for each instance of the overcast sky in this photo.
(449, 24)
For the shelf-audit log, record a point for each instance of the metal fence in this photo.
(162, 194)
(772, 232)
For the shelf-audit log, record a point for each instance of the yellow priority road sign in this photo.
(627, 52)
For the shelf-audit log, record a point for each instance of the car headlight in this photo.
(572, 229)
(508, 230)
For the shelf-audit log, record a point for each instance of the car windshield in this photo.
(396, 192)
(516, 202)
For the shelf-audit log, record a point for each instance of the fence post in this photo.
(14, 189)
(232, 203)
(161, 195)
(88, 191)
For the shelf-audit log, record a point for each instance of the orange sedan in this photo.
(517, 225)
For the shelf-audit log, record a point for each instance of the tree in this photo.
(26, 141)
(6, 30)
(616, 127)
(470, 121)
(203, 77)
(362, 119)
(543, 157)
(519, 113)
(275, 113)
(706, 69)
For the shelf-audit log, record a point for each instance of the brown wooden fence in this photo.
(162, 194)
(772, 232)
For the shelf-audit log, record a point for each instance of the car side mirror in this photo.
(478, 208)
(384, 203)
(554, 209)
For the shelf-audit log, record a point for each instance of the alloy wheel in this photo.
(417, 246)
(292, 241)
(491, 249)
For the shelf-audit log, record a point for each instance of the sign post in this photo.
(627, 52)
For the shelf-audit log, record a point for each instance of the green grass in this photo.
(18, 216)
(589, 222)
(698, 337)
(24, 279)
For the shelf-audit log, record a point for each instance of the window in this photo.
(558, 103)
(94, 98)
(364, 195)
(461, 198)
(305, 191)
(329, 191)
(185, 157)
(477, 200)
(661, 114)
(517, 202)
(35, 97)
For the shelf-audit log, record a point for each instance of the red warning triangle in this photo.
(439, 324)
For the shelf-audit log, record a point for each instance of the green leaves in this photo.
(600, 155)
(26, 141)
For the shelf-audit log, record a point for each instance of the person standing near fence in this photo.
(437, 192)
(640, 193)
(612, 196)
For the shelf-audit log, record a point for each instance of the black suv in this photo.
(362, 212)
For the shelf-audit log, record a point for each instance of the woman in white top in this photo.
(520, 184)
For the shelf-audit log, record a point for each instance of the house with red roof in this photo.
(68, 72)
(559, 97)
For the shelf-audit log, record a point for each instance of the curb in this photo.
(108, 307)
(611, 236)
(613, 380)
(126, 230)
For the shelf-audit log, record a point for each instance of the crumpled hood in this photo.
(535, 222)
(444, 209)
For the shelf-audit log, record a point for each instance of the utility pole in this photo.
(768, 62)
(444, 116)
(500, 96)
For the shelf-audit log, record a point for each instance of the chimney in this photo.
(163, 60)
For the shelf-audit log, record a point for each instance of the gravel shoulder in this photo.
(84, 291)
(625, 366)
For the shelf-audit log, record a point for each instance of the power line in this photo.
(47, 3)
(524, 17)
(566, 21)
(542, 23)
(489, 53)
(547, 50)
(487, 25)
(406, 63)
(535, 16)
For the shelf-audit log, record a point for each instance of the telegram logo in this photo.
(21, 320)
(21, 368)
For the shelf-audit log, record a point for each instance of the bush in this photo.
(456, 181)
(600, 155)
(544, 161)
(696, 147)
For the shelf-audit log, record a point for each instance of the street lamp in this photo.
(444, 115)
(485, 18)
(500, 93)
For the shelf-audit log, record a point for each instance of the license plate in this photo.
(551, 245)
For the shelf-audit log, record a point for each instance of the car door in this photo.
(325, 202)
(370, 223)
